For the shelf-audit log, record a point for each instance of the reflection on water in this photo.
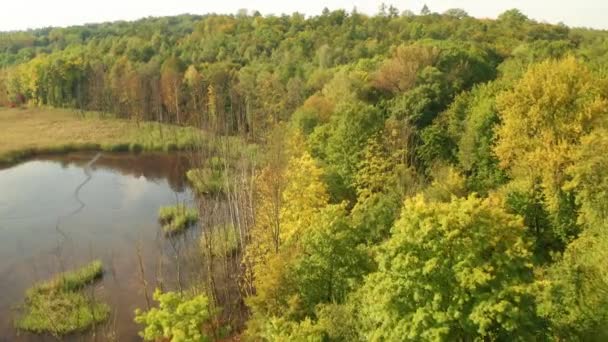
(57, 213)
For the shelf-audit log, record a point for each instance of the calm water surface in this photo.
(58, 213)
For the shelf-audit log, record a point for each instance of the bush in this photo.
(178, 318)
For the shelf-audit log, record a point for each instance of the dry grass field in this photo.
(30, 131)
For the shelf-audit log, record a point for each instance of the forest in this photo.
(416, 176)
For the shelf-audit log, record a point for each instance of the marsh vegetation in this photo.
(177, 218)
(36, 131)
(62, 305)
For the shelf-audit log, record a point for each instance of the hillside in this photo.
(420, 177)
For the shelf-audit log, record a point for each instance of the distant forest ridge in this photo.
(223, 58)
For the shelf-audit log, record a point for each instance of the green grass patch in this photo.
(60, 307)
(73, 280)
(177, 218)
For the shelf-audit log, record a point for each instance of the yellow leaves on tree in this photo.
(304, 196)
(589, 180)
(290, 198)
(4, 100)
(399, 73)
(544, 117)
(171, 78)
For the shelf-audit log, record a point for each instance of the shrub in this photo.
(177, 318)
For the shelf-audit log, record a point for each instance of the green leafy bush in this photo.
(177, 318)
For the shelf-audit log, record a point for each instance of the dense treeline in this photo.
(239, 72)
(424, 177)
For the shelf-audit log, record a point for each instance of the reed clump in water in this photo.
(211, 179)
(177, 218)
(60, 306)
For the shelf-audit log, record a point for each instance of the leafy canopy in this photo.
(450, 271)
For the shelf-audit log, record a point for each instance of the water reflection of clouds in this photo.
(39, 185)
(134, 188)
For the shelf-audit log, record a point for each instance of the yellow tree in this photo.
(118, 80)
(305, 195)
(212, 107)
(280, 225)
(272, 97)
(289, 194)
(399, 73)
(269, 187)
(590, 181)
(134, 90)
(544, 117)
(171, 82)
(194, 82)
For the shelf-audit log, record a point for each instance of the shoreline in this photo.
(36, 131)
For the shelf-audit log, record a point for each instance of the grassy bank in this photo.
(31, 131)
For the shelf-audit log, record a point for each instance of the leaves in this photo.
(177, 318)
(450, 270)
(544, 117)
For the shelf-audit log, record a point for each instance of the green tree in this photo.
(178, 318)
(573, 292)
(341, 142)
(450, 271)
(331, 263)
(457, 13)
(470, 123)
(425, 10)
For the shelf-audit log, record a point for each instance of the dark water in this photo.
(58, 213)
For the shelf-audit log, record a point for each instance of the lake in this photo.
(60, 212)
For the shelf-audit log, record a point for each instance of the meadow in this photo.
(31, 131)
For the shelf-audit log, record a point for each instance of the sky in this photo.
(24, 14)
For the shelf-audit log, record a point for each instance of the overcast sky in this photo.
(23, 14)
